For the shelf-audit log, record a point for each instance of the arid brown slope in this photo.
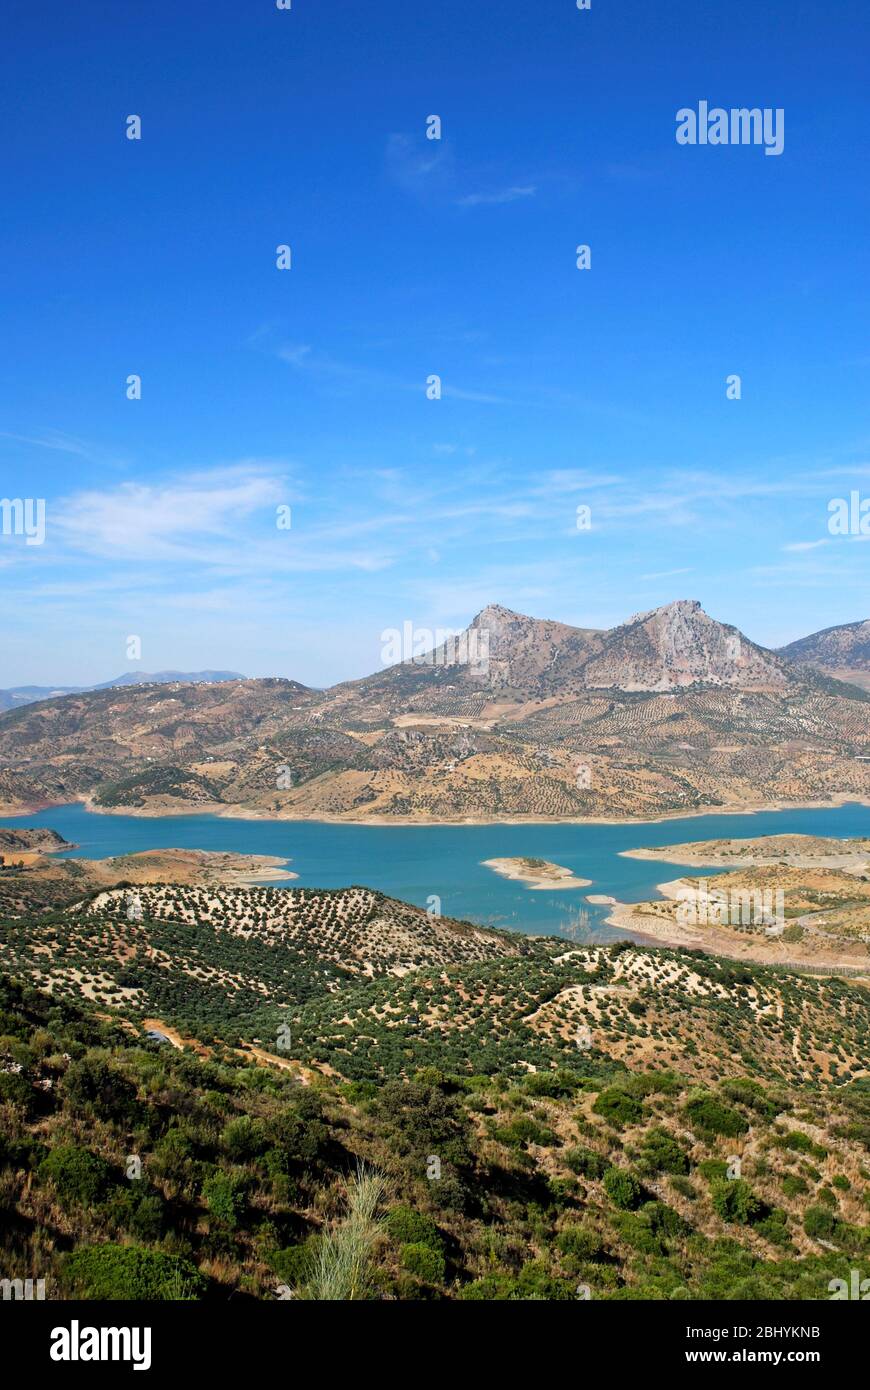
(668, 713)
(842, 652)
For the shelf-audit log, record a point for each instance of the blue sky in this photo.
(261, 388)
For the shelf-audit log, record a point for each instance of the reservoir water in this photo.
(417, 863)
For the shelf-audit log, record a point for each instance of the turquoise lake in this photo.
(418, 862)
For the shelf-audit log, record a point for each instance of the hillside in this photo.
(215, 957)
(192, 1073)
(602, 1124)
(842, 652)
(671, 712)
(28, 694)
(36, 881)
(797, 900)
(38, 840)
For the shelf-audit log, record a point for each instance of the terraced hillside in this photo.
(37, 881)
(232, 960)
(698, 1136)
(639, 1006)
(671, 712)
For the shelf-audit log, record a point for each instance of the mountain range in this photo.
(29, 694)
(671, 711)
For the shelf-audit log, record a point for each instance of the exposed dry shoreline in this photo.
(696, 856)
(658, 930)
(249, 813)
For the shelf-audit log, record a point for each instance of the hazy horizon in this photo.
(381, 663)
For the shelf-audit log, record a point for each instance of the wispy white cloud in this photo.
(497, 196)
(667, 574)
(421, 167)
(51, 439)
(141, 519)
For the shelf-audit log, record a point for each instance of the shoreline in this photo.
(222, 812)
(654, 930)
(726, 865)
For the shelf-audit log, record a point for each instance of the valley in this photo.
(404, 937)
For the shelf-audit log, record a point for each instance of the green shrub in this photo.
(775, 1228)
(128, 1272)
(735, 1201)
(77, 1175)
(617, 1107)
(138, 1210)
(295, 1264)
(16, 1089)
(426, 1263)
(243, 1138)
(524, 1130)
(660, 1153)
(800, 1143)
(580, 1242)
(551, 1083)
(710, 1117)
(751, 1094)
(300, 1130)
(91, 1085)
(793, 1186)
(408, 1227)
(819, 1223)
(224, 1194)
(586, 1163)
(623, 1188)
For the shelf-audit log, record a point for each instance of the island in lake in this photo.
(536, 873)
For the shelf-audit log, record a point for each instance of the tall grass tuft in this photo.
(343, 1267)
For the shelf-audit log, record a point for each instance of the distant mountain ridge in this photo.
(28, 694)
(517, 717)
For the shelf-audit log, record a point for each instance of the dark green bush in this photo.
(128, 1272)
(77, 1175)
(224, 1193)
(617, 1107)
(710, 1117)
(409, 1227)
(735, 1201)
(660, 1153)
(426, 1263)
(623, 1188)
